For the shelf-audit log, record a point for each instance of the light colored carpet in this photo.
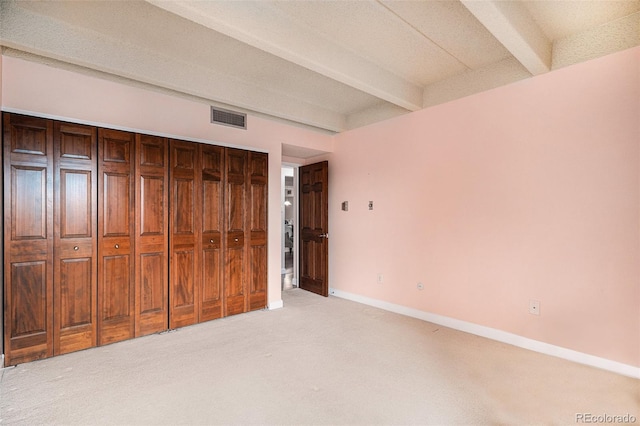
(316, 361)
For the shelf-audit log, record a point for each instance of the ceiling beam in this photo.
(513, 26)
(263, 26)
(44, 36)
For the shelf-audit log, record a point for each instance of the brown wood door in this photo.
(75, 245)
(185, 223)
(235, 227)
(28, 238)
(314, 228)
(116, 290)
(151, 236)
(259, 175)
(212, 254)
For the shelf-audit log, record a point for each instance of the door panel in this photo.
(75, 246)
(185, 240)
(30, 326)
(236, 202)
(153, 297)
(184, 284)
(76, 207)
(234, 284)
(76, 307)
(29, 298)
(212, 255)
(236, 223)
(28, 135)
(115, 288)
(152, 205)
(258, 172)
(314, 228)
(116, 316)
(151, 236)
(28, 238)
(184, 206)
(211, 277)
(116, 196)
(29, 189)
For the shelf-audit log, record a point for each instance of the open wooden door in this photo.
(314, 228)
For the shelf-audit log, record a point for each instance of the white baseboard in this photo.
(275, 305)
(495, 334)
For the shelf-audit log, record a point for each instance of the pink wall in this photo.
(43, 90)
(529, 191)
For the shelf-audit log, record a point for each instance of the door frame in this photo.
(296, 221)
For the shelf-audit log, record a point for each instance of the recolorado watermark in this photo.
(605, 418)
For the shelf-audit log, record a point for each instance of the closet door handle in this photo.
(235, 239)
(75, 248)
(211, 241)
(117, 246)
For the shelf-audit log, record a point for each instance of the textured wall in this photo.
(529, 191)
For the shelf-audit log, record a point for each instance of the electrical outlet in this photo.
(420, 286)
(534, 307)
(380, 278)
(370, 205)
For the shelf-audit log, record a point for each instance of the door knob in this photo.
(75, 248)
(324, 235)
(117, 246)
(235, 239)
(211, 241)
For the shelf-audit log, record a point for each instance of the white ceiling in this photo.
(331, 65)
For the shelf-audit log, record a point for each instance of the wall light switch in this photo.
(345, 206)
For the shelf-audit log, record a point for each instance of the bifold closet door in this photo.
(236, 224)
(75, 245)
(185, 223)
(151, 245)
(212, 211)
(28, 238)
(258, 175)
(116, 290)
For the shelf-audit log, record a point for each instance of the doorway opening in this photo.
(289, 228)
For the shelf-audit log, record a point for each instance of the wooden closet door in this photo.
(28, 238)
(258, 174)
(212, 210)
(116, 288)
(235, 227)
(75, 245)
(185, 224)
(151, 244)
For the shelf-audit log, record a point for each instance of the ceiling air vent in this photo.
(228, 118)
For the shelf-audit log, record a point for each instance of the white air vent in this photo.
(228, 118)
